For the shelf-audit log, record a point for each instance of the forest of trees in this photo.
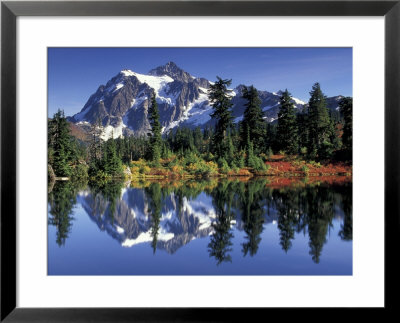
(315, 133)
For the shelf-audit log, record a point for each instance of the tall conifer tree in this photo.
(253, 123)
(155, 139)
(60, 142)
(319, 123)
(221, 103)
(346, 108)
(112, 163)
(287, 124)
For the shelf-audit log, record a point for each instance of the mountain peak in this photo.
(171, 64)
(172, 70)
(169, 67)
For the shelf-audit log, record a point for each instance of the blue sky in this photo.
(75, 73)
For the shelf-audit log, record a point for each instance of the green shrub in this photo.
(191, 158)
(223, 166)
(240, 159)
(209, 157)
(305, 169)
(144, 169)
(257, 163)
(173, 162)
(326, 150)
(80, 172)
(315, 164)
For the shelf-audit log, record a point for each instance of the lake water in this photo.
(195, 227)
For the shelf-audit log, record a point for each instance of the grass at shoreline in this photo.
(276, 166)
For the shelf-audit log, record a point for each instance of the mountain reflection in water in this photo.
(168, 216)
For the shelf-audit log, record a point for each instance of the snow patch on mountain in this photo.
(196, 113)
(118, 86)
(155, 82)
(114, 132)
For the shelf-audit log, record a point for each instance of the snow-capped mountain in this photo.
(122, 104)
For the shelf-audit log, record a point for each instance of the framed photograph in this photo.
(187, 160)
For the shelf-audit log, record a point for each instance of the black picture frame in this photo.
(10, 10)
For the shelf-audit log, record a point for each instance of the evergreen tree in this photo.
(60, 143)
(287, 124)
(111, 161)
(221, 103)
(249, 150)
(95, 147)
(270, 141)
(198, 139)
(155, 139)
(346, 108)
(319, 124)
(302, 131)
(253, 122)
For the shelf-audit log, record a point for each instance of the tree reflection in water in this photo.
(221, 240)
(251, 196)
(153, 192)
(241, 205)
(108, 192)
(61, 200)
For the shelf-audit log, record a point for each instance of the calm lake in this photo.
(195, 227)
